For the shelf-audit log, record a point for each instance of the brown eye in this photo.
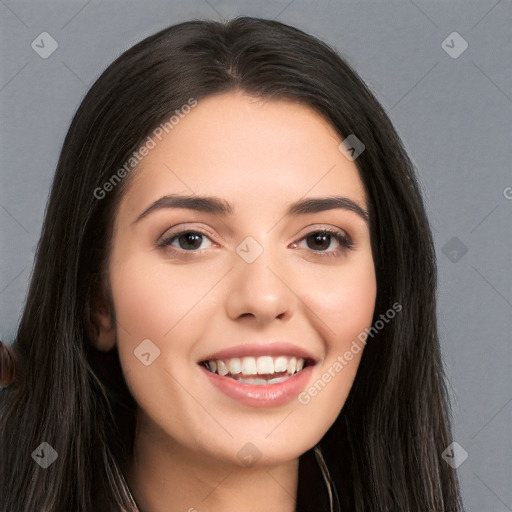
(327, 241)
(319, 241)
(186, 241)
(190, 241)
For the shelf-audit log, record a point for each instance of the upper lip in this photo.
(278, 348)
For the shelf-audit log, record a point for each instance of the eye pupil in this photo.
(190, 240)
(322, 240)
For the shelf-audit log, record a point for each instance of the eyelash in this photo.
(345, 243)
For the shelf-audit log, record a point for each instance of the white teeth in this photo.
(222, 369)
(234, 366)
(265, 365)
(277, 380)
(280, 364)
(253, 381)
(249, 366)
(253, 366)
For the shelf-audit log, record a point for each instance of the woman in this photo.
(233, 300)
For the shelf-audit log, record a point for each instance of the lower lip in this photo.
(261, 395)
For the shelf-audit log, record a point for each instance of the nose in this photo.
(260, 291)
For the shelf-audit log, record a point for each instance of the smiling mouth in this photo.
(262, 370)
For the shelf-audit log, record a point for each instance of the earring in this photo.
(6, 366)
(334, 504)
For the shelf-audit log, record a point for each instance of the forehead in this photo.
(250, 152)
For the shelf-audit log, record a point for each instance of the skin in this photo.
(260, 156)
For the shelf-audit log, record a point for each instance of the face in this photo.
(233, 311)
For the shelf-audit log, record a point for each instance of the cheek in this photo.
(168, 305)
(143, 302)
(344, 308)
(158, 303)
(344, 302)
(150, 300)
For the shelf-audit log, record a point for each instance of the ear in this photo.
(103, 332)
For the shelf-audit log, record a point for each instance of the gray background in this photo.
(454, 115)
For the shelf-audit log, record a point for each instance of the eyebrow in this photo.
(219, 206)
(321, 204)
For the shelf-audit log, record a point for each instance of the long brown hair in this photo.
(384, 450)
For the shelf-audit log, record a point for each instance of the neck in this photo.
(167, 477)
